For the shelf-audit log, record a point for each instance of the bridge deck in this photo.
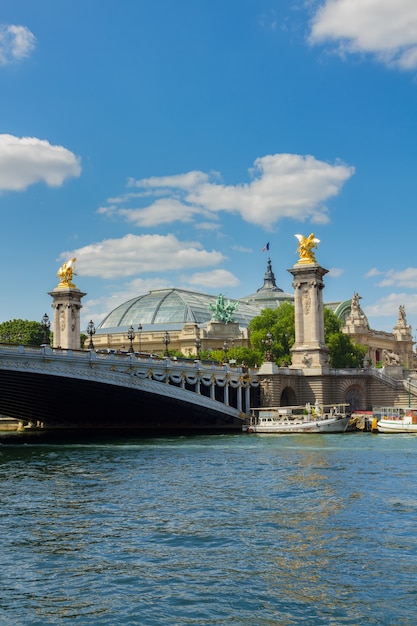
(82, 390)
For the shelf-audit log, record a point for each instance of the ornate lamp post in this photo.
(409, 392)
(225, 350)
(46, 325)
(198, 347)
(140, 337)
(268, 344)
(131, 336)
(91, 331)
(166, 340)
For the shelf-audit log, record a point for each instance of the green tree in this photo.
(280, 322)
(342, 351)
(22, 331)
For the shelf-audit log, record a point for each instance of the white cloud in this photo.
(25, 161)
(388, 305)
(373, 272)
(16, 43)
(180, 181)
(207, 226)
(386, 29)
(400, 278)
(281, 186)
(242, 249)
(214, 279)
(133, 254)
(335, 272)
(162, 211)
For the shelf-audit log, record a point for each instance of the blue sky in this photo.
(165, 143)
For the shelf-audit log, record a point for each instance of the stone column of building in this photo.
(309, 351)
(404, 336)
(67, 305)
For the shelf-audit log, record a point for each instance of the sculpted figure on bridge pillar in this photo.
(65, 273)
(305, 248)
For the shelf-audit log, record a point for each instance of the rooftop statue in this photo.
(65, 273)
(355, 304)
(223, 311)
(402, 320)
(305, 248)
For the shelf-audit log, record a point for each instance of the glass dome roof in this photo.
(173, 307)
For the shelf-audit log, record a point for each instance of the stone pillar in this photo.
(404, 337)
(66, 325)
(67, 305)
(226, 393)
(239, 397)
(309, 351)
(247, 399)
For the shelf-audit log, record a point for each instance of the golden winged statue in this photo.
(65, 273)
(305, 248)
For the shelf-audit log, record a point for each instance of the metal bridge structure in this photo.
(51, 389)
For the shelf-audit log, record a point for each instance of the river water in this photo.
(239, 529)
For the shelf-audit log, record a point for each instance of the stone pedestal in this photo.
(268, 368)
(223, 330)
(309, 351)
(66, 324)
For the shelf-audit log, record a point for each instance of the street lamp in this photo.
(46, 325)
(225, 350)
(140, 337)
(91, 331)
(268, 343)
(131, 336)
(198, 346)
(166, 340)
(409, 392)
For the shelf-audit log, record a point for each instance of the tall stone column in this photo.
(309, 351)
(67, 305)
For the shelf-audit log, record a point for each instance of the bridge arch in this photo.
(71, 389)
(288, 397)
(354, 393)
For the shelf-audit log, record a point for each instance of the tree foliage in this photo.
(280, 322)
(236, 354)
(342, 351)
(24, 332)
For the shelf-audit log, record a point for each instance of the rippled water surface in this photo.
(240, 530)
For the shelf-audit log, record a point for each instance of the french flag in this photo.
(265, 248)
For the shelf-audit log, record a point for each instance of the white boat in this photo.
(396, 419)
(295, 419)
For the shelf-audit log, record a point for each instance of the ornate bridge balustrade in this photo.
(231, 386)
(83, 389)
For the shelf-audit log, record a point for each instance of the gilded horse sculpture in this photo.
(65, 273)
(305, 248)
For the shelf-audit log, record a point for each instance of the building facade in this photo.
(188, 318)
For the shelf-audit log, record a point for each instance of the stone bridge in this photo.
(49, 389)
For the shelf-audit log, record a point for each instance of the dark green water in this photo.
(239, 530)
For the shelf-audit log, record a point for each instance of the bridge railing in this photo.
(126, 358)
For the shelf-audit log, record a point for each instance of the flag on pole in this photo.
(265, 248)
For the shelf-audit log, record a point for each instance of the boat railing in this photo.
(394, 413)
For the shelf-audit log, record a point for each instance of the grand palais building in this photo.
(183, 320)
